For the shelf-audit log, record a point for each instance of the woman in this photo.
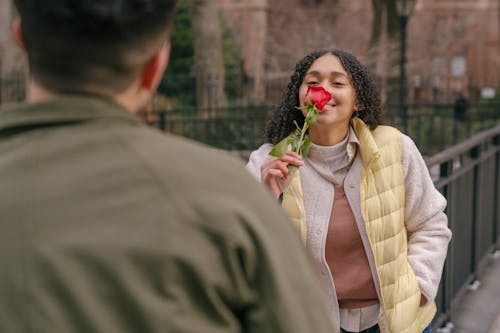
(363, 200)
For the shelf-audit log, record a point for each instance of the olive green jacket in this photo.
(109, 226)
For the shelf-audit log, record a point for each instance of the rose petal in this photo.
(318, 95)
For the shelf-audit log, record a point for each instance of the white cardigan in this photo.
(428, 234)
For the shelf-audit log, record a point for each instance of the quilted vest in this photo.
(382, 206)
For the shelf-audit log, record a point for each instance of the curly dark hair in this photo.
(282, 120)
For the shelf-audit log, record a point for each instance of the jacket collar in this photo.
(369, 148)
(62, 109)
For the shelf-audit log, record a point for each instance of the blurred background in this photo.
(436, 62)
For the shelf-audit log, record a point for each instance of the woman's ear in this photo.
(17, 33)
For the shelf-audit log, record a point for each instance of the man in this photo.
(108, 226)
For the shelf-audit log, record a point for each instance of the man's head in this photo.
(92, 46)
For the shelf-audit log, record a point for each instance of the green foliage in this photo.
(233, 64)
(178, 81)
(281, 147)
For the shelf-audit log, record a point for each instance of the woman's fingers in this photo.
(274, 171)
(283, 166)
(272, 165)
(268, 162)
(292, 158)
(289, 158)
(273, 179)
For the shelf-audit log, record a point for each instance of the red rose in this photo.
(319, 96)
(298, 141)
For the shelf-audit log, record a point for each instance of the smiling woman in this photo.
(362, 200)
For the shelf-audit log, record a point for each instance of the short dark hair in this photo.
(92, 46)
(282, 120)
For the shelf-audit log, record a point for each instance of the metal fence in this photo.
(12, 87)
(468, 176)
(433, 127)
(229, 128)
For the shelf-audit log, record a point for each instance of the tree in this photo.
(208, 55)
(383, 43)
(179, 81)
(233, 65)
(385, 20)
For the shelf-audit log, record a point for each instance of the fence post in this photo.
(445, 169)
(496, 194)
(474, 154)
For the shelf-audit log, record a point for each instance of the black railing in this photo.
(12, 88)
(432, 127)
(468, 174)
(229, 129)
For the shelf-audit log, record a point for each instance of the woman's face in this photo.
(328, 72)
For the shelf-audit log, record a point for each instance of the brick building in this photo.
(453, 45)
(455, 48)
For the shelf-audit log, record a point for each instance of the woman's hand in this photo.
(274, 171)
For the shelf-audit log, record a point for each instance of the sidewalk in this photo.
(479, 311)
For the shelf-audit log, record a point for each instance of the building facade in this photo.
(453, 46)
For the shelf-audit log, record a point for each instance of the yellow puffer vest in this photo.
(382, 206)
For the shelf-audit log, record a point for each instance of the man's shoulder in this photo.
(159, 147)
(208, 180)
(188, 163)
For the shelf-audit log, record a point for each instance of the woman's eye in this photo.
(312, 83)
(338, 83)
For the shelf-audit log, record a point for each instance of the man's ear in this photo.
(17, 33)
(154, 68)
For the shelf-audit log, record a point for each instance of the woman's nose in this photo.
(328, 87)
